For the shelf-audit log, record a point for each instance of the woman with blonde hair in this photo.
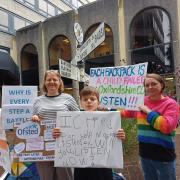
(46, 107)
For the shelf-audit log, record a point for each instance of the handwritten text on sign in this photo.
(120, 87)
(88, 140)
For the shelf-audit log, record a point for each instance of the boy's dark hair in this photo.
(89, 90)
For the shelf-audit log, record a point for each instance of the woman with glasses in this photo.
(46, 107)
(156, 123)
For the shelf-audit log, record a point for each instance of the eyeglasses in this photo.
(153, 84)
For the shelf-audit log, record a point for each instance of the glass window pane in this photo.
(43, 5)
(51, 10)
(3, 18)
(75, 3)
(150, 27)
(150, 40)
(30, 3)
(18, 23)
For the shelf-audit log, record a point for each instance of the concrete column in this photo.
(122, 41)
(42, 58)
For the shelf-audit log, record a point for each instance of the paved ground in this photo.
(178, 153)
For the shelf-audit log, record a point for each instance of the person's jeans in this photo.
(157, 170)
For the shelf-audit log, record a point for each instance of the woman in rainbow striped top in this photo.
(156, 123)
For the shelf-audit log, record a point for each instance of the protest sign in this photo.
(120, 87)
(34, 141)
(31, 141)
(18, 95)
(17, 104)
(88, 140)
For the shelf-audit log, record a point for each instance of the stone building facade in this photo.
(135, 32)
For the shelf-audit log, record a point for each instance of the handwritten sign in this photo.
(88, 140)
(17, 104)
(120, 87)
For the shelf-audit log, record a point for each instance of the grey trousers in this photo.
(47, 171)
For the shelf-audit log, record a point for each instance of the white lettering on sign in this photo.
(88, 140)
(28, 130)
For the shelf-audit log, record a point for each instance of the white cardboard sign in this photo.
(120, 86)
(88, 140)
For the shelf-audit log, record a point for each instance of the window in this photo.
(75, 3)
(51, 10)
(43, 7)
(18, 23)
(30, 3)
(3, 20)
(151, 41)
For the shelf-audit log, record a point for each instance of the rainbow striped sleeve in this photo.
(165, 123)
(127, 114)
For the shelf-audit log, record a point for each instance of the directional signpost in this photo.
(91, 43)
(72, 71)
(68, 70)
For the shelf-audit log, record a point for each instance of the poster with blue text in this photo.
(120, 86)
(17, 104)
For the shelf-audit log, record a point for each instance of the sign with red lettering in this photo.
(120, 87)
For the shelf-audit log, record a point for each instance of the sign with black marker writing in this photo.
(88, 139)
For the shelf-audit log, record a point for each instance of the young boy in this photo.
(89, 99)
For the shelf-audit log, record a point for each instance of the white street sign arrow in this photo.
(91, 43)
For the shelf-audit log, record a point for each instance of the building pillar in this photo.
(42, 62)
(122, 41)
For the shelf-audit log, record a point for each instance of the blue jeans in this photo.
(157, 170)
